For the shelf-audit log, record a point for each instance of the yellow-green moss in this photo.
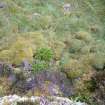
(73, 68)
(82, 35)
(4, 86)
(57, 47)
(23, 47)
(45, 21)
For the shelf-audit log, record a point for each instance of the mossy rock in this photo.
(19, 51)
(23, 47)
(85, 36)
(74, 74)
(35, 92)
(73, 68)
(22, 50)
(76, 45)
(99, 61)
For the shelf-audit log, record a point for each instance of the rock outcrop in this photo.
(17, 100)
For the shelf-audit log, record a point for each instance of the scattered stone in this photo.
(2, 5)
(98, 87)
(67, 8)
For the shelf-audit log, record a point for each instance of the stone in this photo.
(51, 79)
(2, 5)
(98, 87)
(13, 99)
(73, 68)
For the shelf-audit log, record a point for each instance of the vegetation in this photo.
(44, 54)
(64, 35)
(42, 59)
(39, 65)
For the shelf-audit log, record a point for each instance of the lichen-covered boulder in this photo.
(47, 83)
(35, 100)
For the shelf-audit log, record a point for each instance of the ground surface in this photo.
(53, 47)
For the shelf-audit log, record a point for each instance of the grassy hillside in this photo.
(66, 34)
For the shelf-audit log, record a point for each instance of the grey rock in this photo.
(2, 5)
(13, 99)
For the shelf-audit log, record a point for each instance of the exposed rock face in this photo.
(58, 78)
(23, 82)
(2, 5)
(17, 100)
(99, 87)
(47, 82)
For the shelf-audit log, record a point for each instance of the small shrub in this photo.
(83, 98)
(45, 54)
(42, 59)
(39, 66)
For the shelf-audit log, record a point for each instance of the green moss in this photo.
(73, 68)
(19, 51)
(85, 36)
(74, 74)
(22, 47)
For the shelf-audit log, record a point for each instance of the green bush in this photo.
(42, 59)
(39, 66)
(44, 54)
(84, 98)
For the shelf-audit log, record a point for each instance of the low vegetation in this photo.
(66, 35)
